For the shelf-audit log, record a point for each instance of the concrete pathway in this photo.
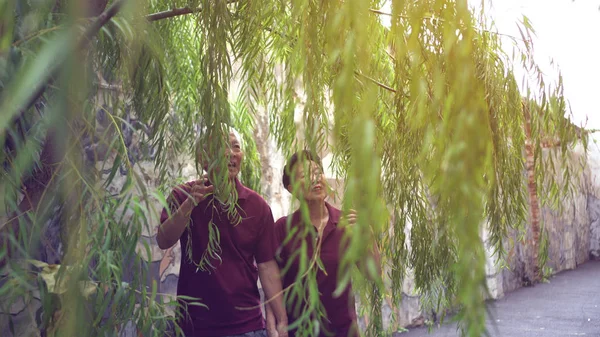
(569, 305)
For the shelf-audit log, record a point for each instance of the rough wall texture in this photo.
(22, 313)
(573, 238)
(593, 202)
(569, 235)
(594, 211)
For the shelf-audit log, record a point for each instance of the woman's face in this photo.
(312, 185)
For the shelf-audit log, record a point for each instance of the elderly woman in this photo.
(303, 175)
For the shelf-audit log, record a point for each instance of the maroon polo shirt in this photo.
(234, 282)
(340, 311)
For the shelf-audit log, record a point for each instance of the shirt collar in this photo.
(334, 215)
(334, 219)
(242, 190)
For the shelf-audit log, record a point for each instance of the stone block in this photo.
(593, 204)
(495, 285)
(21, 313)
(409, 312)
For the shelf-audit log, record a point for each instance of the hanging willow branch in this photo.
(171, 13)
(386, 87)
(176, 12)
(379, 12)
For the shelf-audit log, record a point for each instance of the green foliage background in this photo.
(426, 117)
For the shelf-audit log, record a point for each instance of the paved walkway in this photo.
(569, 305)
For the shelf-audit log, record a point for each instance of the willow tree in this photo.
(426, 117)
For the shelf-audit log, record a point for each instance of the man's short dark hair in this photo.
(303, 155)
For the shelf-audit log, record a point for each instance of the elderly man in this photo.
(223, 276)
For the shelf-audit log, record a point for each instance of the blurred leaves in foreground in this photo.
(423, 116)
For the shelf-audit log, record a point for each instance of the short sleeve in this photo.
(280, 231)
(267, 243)
(280, 235)
(174, 200)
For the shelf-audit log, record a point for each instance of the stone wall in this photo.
(573, 238)
(594, 211)
(568, 237)
(593, 202)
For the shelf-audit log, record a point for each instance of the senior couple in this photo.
(248, 250)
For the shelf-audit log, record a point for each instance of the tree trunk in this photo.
(534, 205)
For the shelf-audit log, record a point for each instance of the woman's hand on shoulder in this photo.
(350, 219)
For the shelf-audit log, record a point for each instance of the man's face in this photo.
(233, 156)
(311, 181)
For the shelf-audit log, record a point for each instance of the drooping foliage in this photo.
(425, 114)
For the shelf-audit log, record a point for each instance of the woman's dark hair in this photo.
(303, 155)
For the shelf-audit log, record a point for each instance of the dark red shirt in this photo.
(234, 282)
(340, 312)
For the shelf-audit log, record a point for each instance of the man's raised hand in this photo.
(199, 190)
